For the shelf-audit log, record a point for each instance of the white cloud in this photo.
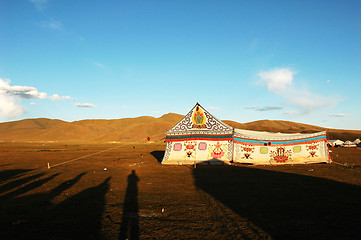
(85, 105)
(251, 107)
(290, 113)
(265, 108)
(20, 91)
(52, 24)
(10, 106)
(56, 97)
(308, 102)
(277, 80)
(281, 83)
(10, 98)
(100, 65)
(39, 4)
(339, 115)
(268, 108)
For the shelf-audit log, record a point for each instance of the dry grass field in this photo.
(125, 193)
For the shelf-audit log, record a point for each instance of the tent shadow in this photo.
(158, 155)
(285, 205)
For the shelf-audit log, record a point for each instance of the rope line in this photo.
(92, 154)
(344, 164)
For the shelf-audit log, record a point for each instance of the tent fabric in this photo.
(201, 138)
(337, 142)
(348, 144)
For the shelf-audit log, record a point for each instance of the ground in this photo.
(125, 193)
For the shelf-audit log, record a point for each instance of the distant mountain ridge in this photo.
(136, 129)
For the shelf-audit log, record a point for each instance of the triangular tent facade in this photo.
(200, 137)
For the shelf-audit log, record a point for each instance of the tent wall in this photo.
(195, 151)
(282, 154)
(276, 148)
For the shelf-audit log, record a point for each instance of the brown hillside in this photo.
(276, 126)
(137, 129)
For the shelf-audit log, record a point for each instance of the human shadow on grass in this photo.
(285, 205)
(80, 216)
(158, 155)
(12, 173)
(35, 216)
(28, 187)
(129, 228)
(19, 182)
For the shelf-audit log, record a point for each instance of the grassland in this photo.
(125, 193)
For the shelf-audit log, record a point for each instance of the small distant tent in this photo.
(336, 143)
(200, 137)
(348, 144)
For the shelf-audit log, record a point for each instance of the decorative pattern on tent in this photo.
(197, 122)
(254, 138)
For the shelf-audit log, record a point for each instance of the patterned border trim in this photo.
(281, 142)
(230, 150)
(177, 138)
(168, 149)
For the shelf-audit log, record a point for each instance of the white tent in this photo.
(200, 137)
(348, 144)
(335, 143)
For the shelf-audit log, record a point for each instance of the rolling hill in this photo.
(136, 129)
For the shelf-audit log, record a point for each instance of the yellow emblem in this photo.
(198, 118)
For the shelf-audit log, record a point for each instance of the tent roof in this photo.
(273, 136)
(200, 121)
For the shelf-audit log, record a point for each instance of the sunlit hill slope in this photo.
(136, 129)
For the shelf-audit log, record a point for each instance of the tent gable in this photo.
(199, 121)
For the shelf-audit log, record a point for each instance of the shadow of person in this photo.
(129, 228)
(80, 216)
(35, 216)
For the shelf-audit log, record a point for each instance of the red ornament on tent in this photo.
(148, 138)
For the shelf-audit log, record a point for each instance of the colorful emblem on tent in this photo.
(218, 151)
(312, 148)
(281, 155)
(247, 151)
(198, 118)
(190, 148)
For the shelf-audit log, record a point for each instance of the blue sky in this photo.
(242, 60)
